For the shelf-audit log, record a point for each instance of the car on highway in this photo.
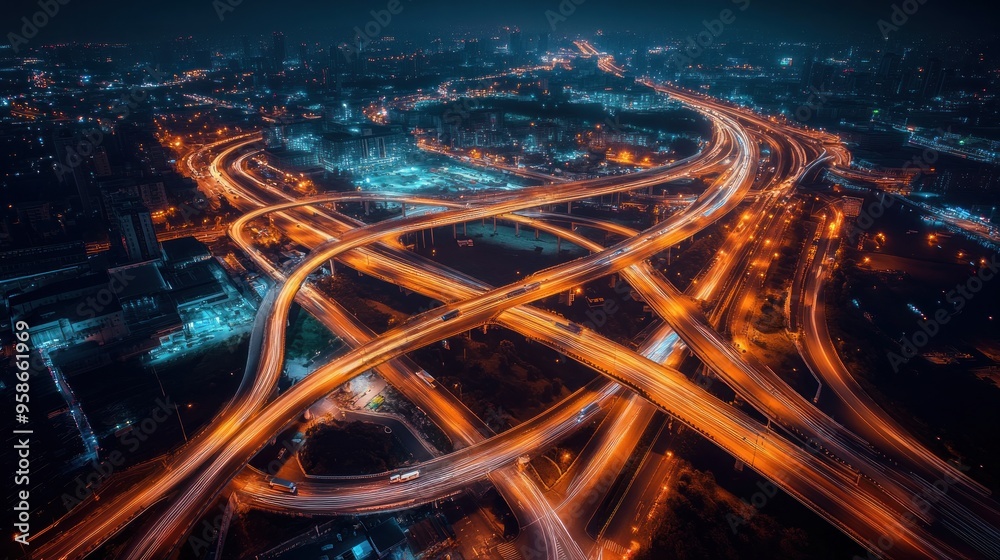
(282, 484)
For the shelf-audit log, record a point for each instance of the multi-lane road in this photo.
(846, 481)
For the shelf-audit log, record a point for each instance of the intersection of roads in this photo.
(864, 474)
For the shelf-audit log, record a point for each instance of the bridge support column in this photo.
(432, 237)
(454, 231)
(536, 234)
(465, 229)
(494, 224)
(517, 229)
(404, 209)
(569, 207)
(367, 211)
(333, 270)
(558, 244)
(423, 238)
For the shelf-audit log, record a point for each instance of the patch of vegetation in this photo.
(949, 409)
(500, 375)
(306, 336)
(347, 294)
(546, 469)
(690, 260)
(782, 270)
(771, 318)
(551, 465)
(696, 524)
(396, 403)
(342, 449)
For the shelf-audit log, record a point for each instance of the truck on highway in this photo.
(515, 293)
(586, 410)
(405, 477)
(571, 327)
(451, 315)
(426, 377)
(282, 484)
(524, 289)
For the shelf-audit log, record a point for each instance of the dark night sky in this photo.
(137, 19)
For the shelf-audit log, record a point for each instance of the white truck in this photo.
(405, 477)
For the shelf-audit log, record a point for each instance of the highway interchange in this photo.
(864, 484)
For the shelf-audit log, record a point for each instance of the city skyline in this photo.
(106, 20)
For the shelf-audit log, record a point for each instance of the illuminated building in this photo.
(363, 149)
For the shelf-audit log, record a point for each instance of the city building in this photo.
(135, 228)
(41, 259)
(363, 148)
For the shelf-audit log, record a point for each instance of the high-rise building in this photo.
(304, 55)
(516, 44)
(363, 149)
(357, 55)
(247, 54)
(806, 73)
(135, 225)
(102, 166)
(70, 164)
(472, 50)
(888, 79)
(933, 79)
(543, 43)
(278, 50)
